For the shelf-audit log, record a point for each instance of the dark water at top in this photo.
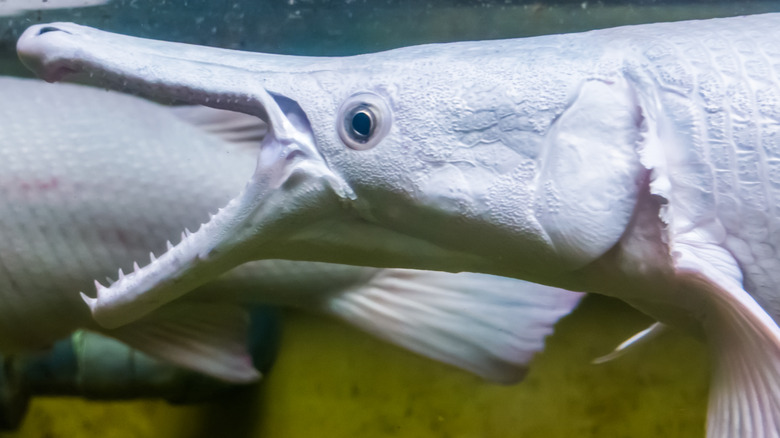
(342, 27)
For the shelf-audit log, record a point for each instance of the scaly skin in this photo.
(93, 181)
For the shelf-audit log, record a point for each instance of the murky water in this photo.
(343, 27)
(333, 381)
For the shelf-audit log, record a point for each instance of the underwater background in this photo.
(334, 381)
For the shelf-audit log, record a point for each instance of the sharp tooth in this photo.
(120, 275)
(136, 267)
(169, 245)
(110, 281)
(91, 302)
(183, 236)
(99, 287)
(187, 232)
(152, 258)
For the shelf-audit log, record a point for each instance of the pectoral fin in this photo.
(631, 343)
(744, 343)
(491, 326)
(207, 337)
(231, 126)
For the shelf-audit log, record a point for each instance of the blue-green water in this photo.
(342, 27)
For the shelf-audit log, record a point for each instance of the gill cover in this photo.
(588, 183)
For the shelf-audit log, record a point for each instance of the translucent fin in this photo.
(238, 128)
(640, 338)
(491, 326)
(745, 345)
(206, 337)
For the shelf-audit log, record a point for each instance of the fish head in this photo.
(423, 155)
(429, 157)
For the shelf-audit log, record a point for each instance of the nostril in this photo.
(47, 29)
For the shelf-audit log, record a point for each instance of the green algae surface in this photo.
(333, 381)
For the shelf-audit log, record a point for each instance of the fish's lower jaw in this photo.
(129, 297)
(150, 287)
(246, 229)
(180, 269)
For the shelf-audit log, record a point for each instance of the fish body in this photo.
(16, 7)
(92, 180)
(636, 162)
(63, 159)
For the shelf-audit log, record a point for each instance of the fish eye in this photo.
(361, 122)
(364, 119)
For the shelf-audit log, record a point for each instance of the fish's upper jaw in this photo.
(139, 66)
(34, 50)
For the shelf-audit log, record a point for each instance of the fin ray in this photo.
(491, 326)
(744, 342)
(231, 126)
(634, 341)
(210, 338)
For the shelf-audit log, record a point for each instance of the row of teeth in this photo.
(136, 267)
(100, 288)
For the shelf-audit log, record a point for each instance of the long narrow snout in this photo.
(295, 206)
(291, 177)
(155, 69)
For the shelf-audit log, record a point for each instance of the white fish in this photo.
(641, 162)
(15, 7)
(91, 180)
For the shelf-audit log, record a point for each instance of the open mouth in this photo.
(290, 180)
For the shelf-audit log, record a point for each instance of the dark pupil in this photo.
(361, 124)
